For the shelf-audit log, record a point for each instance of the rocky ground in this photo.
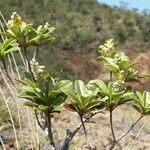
(98, 131)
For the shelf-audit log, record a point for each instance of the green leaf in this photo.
(8, 35)
(73, 96)
(112, 67)
(142, 102)
(101, 85)
(16, 31)
(64, 84)
(80, 87)
(45, 98)
(30, 104)
(27, 28)
(82, 99)
(8, 42)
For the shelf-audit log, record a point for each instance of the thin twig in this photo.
(137, 135)
(11, 118)
(7, 74)
(3, 30)
(38, 121)
(2, 143)
(11, 68)
(130, 129)
(22, 58)
(125, 134)
(15, 63)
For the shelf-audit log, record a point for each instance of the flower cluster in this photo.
(120, 56)
(120, 77)
(28, 35)
(108, 46)
(46, 25)
(118, 63)
(16, 20)
(119, 81)
(107, 49)
(36, 68)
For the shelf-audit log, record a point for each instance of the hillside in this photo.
(81, 26)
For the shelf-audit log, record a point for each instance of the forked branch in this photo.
(125, 134)
(70, 135)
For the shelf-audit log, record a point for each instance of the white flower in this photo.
(115, 84)
(36, 68)
(105, 98)
(46, 25)
(42, 67)
(40, 70)
(38, 90)
(122, 71)
(14, 13)
(110, 44)
(101, 46)
(36, 63)
(111, 61)
(46, 131)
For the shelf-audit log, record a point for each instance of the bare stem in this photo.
(29, 66)
(50, 134)
(69, 136)
(111, 126)
(25, 53)
(83, 125)
(85, 133)
(111, 76)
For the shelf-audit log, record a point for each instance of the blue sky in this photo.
(140, 4)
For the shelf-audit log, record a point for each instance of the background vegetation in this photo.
(81, 26)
